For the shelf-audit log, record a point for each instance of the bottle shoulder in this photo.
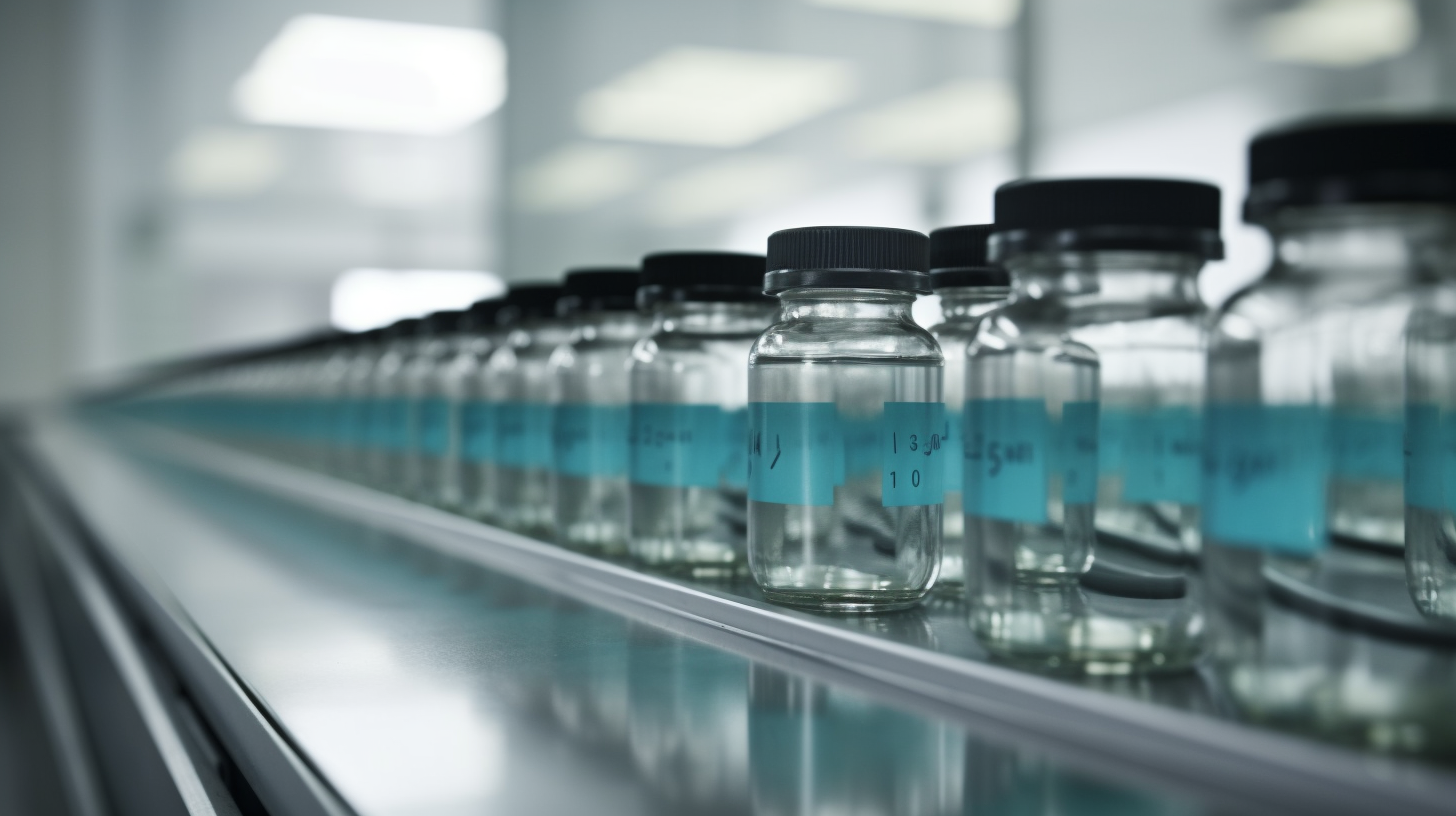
(878, 340)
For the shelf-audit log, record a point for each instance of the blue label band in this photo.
(1013, 449)
(679, 445)
(735, 462)
(433, 416)
(477, 431)
(591, 440)
(1368, 445)
(951, 439)
(1163, 451)
(795, 452)
(523, 434)
(1265, 470)
(913, 453)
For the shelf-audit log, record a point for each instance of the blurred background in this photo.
(180, 176)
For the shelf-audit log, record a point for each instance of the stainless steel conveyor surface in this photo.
(396, 659)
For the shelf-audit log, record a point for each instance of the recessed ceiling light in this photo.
(988, 13)
(374, 75)
(941, 125)
(577, 177)
(363, 299)
(225, 162)
(714, 97)
(725, 187)
(1340, 33)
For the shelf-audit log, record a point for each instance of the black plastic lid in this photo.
(529, 301)
(443, 322)
(1349, 160)
(600, 289)
(701, 276)
(408, 327)
(481, 315)
(847, 258)
(958, 258)
(1088, 215)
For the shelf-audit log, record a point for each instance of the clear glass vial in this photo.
(519, 386)
(352, 452)
(389, 406)
(1104, 328)
(428, 440)
(970, 287)
(589, 477)
(1302, 492)
(468, 433)
(845, 479)
(689, 422)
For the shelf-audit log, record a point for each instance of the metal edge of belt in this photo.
(279, 775)
(1163, 748)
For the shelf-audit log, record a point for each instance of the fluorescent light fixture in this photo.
(373, 75)
(577, 177)
(942, 125)
(987, 13)
(1340, 33)
(225, 162)
(727, 186)
(714, 97)
(364, 299)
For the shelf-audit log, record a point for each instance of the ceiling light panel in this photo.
(715, 97)
(986, 13)
(577, 177)
(942, 125)
(1340, 33)
(373, 75)
(725, 187)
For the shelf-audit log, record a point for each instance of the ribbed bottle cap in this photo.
(701, 276)
(600, 289)
(529, 301)
(1088, 215)
(847, 258)
(958, 258)
(408, 327)
(1350, 160)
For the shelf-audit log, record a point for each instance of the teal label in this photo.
(679, 445)
(1264, 476)
(862, 449)
(591, 440)
(1368, 445)
(477, 431)
(1076, 452)
(1163, 448)
(523, 434)
(1006, 459)
(1424, 482)
(795, 452)
(950, 440)
(913, 453)
(434, 425)
(1112, 433)
(391, 423)
(735, 461)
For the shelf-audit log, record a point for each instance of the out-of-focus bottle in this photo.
(589, 485)
(1105, 328)
(469, 432)
(1302, 489)
(355, 437)
(689, 423)
(970, 287)
(390, 406)
(427, 388)
(519, 384)
(846, 479)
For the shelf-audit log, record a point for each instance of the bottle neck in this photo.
(700, 317)
(607, 326)
(1385, 243)
(846, 304)
(1106, 286)
(968, 304)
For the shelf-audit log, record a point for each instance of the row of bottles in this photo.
(1111, 476)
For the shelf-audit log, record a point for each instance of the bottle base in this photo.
(853, 603)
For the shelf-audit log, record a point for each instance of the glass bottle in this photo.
(389, 411)
(970, 287)
(425, 384)
(845, 477)
(1104, 328)
(589, 373)
(689, 422)
(1302, 490)
(468, 428)
(351, 454)
(519, 385)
